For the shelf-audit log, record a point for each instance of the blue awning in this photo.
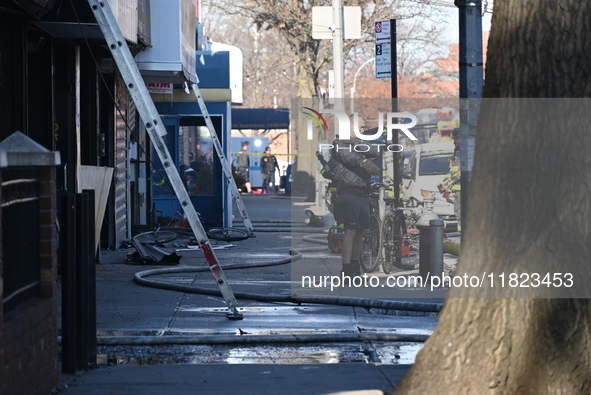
(260, 118)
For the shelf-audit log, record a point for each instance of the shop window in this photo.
(196, 157)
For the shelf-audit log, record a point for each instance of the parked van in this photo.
(427, 167)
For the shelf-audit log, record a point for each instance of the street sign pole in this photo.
(394, 87)
(386, 67)
(383, 41)
(394, 68)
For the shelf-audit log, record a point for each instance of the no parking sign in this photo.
(383, 40)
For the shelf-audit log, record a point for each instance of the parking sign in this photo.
(383, 40)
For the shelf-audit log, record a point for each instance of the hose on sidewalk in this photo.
(385, 304)
(141, 279)
(258, 339)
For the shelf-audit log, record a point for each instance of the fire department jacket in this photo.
(352, 176)
(452, 179)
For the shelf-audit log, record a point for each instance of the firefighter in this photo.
(451, 183)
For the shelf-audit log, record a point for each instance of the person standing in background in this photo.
(243, 165)
(268, 166)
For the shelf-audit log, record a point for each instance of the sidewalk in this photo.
(136, 312)
(218, 379)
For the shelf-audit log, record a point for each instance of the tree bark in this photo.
(529, 212)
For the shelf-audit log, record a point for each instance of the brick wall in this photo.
(28, 334)
(30, 349)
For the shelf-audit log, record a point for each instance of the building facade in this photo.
(61, 89)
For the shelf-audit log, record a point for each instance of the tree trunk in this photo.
(529, 213)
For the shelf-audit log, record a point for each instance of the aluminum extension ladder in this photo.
(156, 130)
(225, 163)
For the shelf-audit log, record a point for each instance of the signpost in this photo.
(383, 41)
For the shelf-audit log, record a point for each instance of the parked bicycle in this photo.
(156, 236)
(170, 228)
(393, 235)
(392, 228)
(371, 251)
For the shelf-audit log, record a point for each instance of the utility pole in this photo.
(337, 47)
(471, 82)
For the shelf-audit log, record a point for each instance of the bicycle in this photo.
(157, 236)
(178, 224)
(371, 248)
(394, 234)
(389, 231)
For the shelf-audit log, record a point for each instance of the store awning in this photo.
(260, 118)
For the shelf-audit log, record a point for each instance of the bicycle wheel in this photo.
(392, 242)
(152, 237)
(227, 234)
(370, 254)
(184, 232)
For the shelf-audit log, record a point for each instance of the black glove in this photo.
(321, 158)
(370, 167)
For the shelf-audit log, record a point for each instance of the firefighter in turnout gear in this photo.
(336, 232)
(451, 183)
(327, 172)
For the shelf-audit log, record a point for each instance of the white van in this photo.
(428, 165)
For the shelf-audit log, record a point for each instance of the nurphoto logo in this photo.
(344, 128)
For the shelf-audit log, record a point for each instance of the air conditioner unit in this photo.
(171, 58)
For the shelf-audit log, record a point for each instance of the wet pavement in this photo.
(137, 325)
(398, 353)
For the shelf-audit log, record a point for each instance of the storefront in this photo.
(190, 143)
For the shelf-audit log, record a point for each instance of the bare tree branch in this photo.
(293, 58)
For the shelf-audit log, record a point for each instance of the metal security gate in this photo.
(20, 236)
(121, 164)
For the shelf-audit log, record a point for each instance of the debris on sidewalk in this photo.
(150, 254)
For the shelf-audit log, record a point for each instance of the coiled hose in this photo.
(141, 278)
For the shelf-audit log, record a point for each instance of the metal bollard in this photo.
(424, 251)
(425, 243)
(436, 247)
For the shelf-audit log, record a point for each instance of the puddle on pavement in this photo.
(387, 353)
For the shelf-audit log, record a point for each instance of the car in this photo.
(428, 165)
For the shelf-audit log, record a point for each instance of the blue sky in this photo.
(453, 31)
